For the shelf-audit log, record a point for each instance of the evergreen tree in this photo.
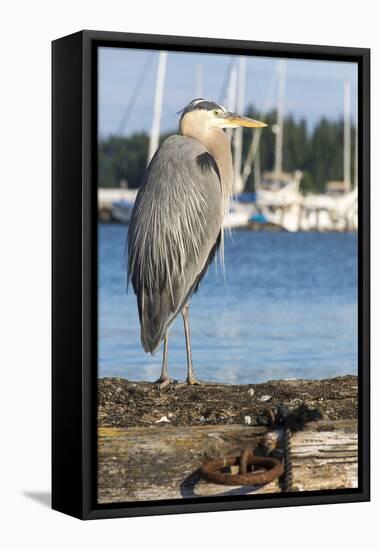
(318, 154)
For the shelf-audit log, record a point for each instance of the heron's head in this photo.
(202, 115)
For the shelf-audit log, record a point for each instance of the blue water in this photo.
(287, 308)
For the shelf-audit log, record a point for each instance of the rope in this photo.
(287, 476)
(290, 421)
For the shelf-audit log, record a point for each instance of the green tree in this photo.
(318, 154)
(122, 159)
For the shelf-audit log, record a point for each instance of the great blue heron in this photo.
(176, 223)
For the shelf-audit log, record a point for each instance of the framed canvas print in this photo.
(210, 274)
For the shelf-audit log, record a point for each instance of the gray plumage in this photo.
(174, 229)
(176, 223)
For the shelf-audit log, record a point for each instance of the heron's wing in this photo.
(173, 233)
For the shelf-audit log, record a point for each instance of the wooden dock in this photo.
(156, 454)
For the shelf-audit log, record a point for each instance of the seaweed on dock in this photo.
(125, 403)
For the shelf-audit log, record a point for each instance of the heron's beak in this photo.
(232, 120)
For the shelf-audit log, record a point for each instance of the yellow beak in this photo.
(233, 120)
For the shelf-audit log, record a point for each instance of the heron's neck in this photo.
(218, 144)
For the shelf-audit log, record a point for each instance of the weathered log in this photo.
(162, 462)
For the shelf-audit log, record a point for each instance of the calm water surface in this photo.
(287, 308)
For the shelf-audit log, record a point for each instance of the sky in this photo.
(313, 89)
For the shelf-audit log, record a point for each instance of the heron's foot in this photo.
(193, 382)
(162, 383)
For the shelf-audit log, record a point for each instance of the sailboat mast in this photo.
(159, 87)
(347, 134)
(280, 119)
(356, 155)
(255, 141)
(232, 90)
(257, 169)
(231, 95)
(238, 136)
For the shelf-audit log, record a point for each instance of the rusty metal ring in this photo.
(245, 460)
(211, 471)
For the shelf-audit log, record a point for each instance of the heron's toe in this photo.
(162, 383)
(195, 382)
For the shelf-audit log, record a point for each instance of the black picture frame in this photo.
(74, 271)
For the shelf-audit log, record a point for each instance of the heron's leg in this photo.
(164, 380)
(190, 372)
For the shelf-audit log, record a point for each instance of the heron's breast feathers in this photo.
(176, 221)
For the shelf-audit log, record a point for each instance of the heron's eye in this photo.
(217, 112)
